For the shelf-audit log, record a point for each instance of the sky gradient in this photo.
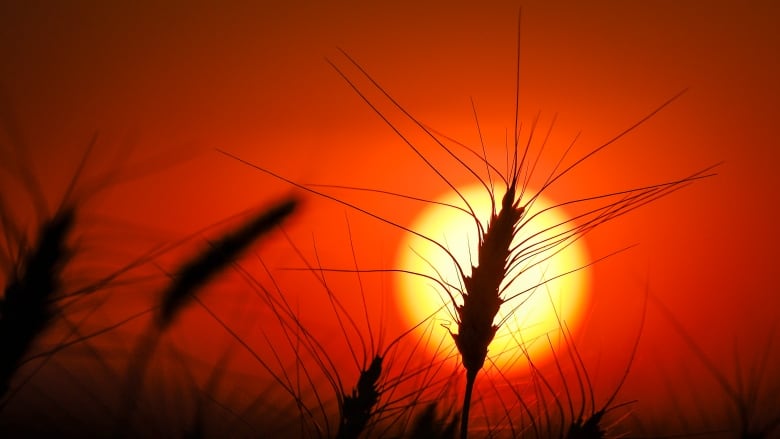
(170, 84)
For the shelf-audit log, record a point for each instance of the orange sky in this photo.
(175, 82)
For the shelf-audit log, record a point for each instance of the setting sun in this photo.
(542, 287)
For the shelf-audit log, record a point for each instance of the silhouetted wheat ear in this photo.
(192, 276)
(198, 271)
(481, 298)
(590, 428)
(356, 409)
(26, 308)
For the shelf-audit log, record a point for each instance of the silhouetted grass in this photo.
(750, 395)
(373, 405)
(395, 389)
(500, 262)
(27, 307)
(356, 409)
(190, 278)
(34, 262)
(198, 271)
(378, 403)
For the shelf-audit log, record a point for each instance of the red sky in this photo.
(177, 81)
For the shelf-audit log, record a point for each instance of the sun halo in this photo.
(528, 318)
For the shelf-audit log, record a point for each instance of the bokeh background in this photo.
(164, 85)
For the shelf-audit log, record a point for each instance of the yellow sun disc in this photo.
(538, 301)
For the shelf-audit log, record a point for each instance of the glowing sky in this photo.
(177, 80)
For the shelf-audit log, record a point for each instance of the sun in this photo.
(557, 281)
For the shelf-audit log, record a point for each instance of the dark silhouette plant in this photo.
(501, 261)
(373, 404)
